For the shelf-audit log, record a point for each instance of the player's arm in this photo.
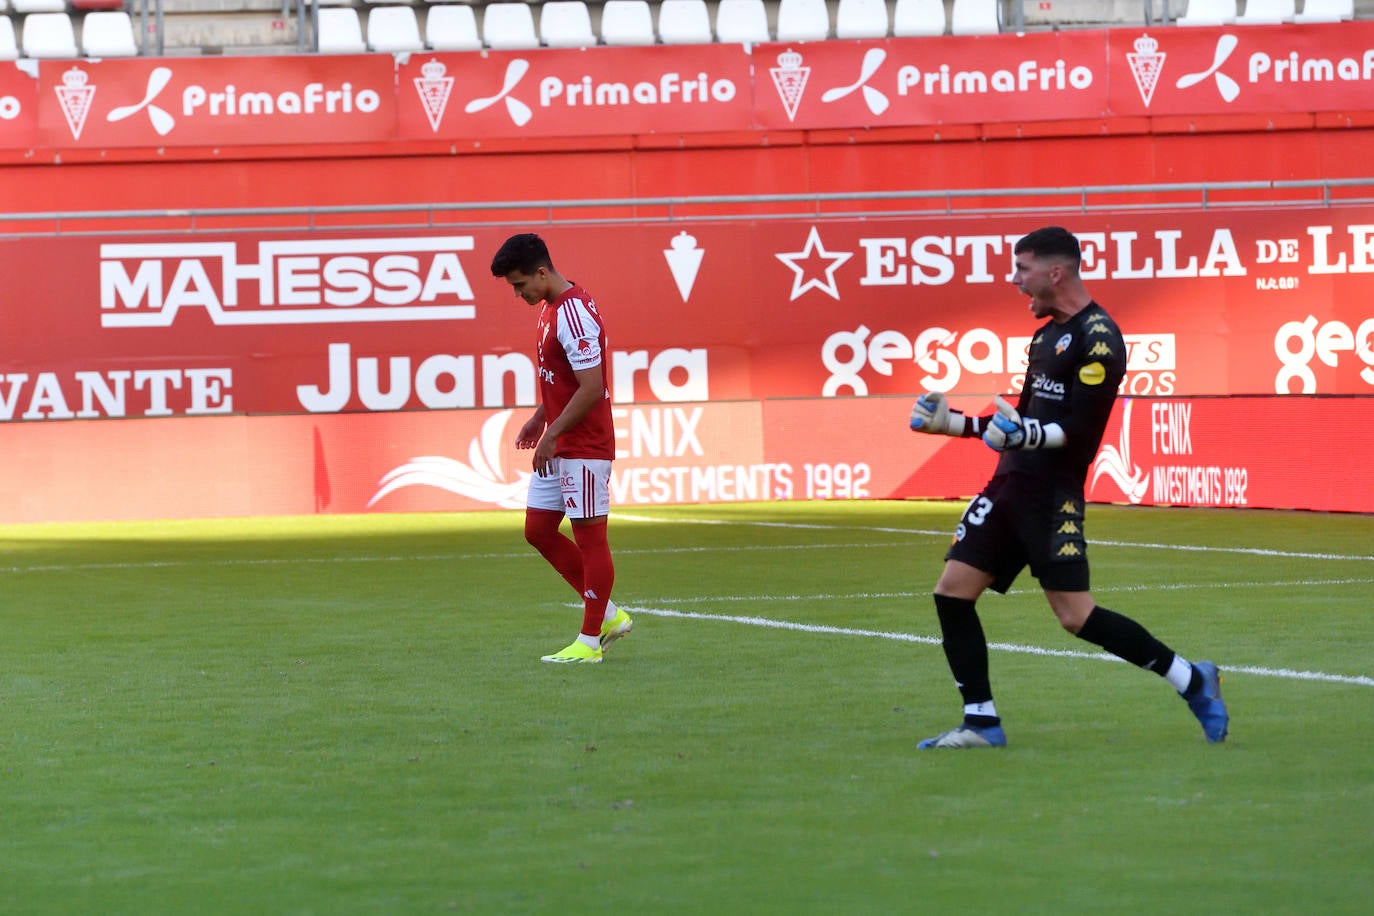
(591, 387)
(932, 414)
(529, 434)
(1008, 430)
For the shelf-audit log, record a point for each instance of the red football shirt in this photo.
(572, 337)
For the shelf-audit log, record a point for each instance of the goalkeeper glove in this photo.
(1009, 431)
(930, 414)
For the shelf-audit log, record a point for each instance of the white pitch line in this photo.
(823, 629)
(1186, 548)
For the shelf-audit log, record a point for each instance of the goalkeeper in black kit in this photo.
(1031, 511)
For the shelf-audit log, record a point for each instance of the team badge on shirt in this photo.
(1063, 344)
(1092, 374)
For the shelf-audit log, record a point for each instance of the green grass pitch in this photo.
(349, 715)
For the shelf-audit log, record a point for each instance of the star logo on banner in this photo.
(807, 267)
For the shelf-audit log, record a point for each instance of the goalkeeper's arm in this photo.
(931, 414)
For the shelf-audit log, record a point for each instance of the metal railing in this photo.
(869, 204)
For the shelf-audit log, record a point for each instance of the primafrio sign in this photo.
(300, 281)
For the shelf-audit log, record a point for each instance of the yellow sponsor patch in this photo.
(1092, 374)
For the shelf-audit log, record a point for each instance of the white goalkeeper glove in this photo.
(930, 414)
(1009, 431)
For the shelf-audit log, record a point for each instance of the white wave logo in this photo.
(1114, 461)
(480, 479)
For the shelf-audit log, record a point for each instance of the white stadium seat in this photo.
(918, 18)
(451, 27)
(974, 17)
(803, 20)
(1208, 12)
(9, 48)
(741, 21)
(108, 34)
(566, 24)
(508, 27)
(1326, 11)
(340, 31)
(861, 19)
(1266, 12)
(393, 29)
(627, 22)
(48, 35)
(39, 6)
(684, 22)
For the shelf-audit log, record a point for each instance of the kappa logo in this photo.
(162, 121)
(1069, 528)
(434, 88)
(519, 112)
(1100, 349)
(1098, 327)
(1070, 550)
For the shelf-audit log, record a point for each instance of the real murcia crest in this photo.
(1146, 62)
(75, 95)
(684, 260)
(434, 89)
(789, 78)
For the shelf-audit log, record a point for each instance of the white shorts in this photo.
(578, 487)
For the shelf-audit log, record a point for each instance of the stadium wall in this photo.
(763, 355)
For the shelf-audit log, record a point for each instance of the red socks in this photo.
(541, 530)
(584, 564)
(598, 574)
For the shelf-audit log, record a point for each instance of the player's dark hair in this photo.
(1051, 242)
(525, 252)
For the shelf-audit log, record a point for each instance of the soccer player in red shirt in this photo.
(573, 441)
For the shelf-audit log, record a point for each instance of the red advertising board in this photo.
(1222, 452)
(1211, 303)
(210, 102)
(575, 92)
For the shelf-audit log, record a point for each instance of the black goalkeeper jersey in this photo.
(1072, 377)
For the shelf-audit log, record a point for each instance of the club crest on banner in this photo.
(434, 88)
(789, 78)
(1146, 63)
(75, 95)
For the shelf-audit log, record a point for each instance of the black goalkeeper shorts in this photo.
(1018, 522)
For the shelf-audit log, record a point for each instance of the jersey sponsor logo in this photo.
(1048, 386)
(1093, 373)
